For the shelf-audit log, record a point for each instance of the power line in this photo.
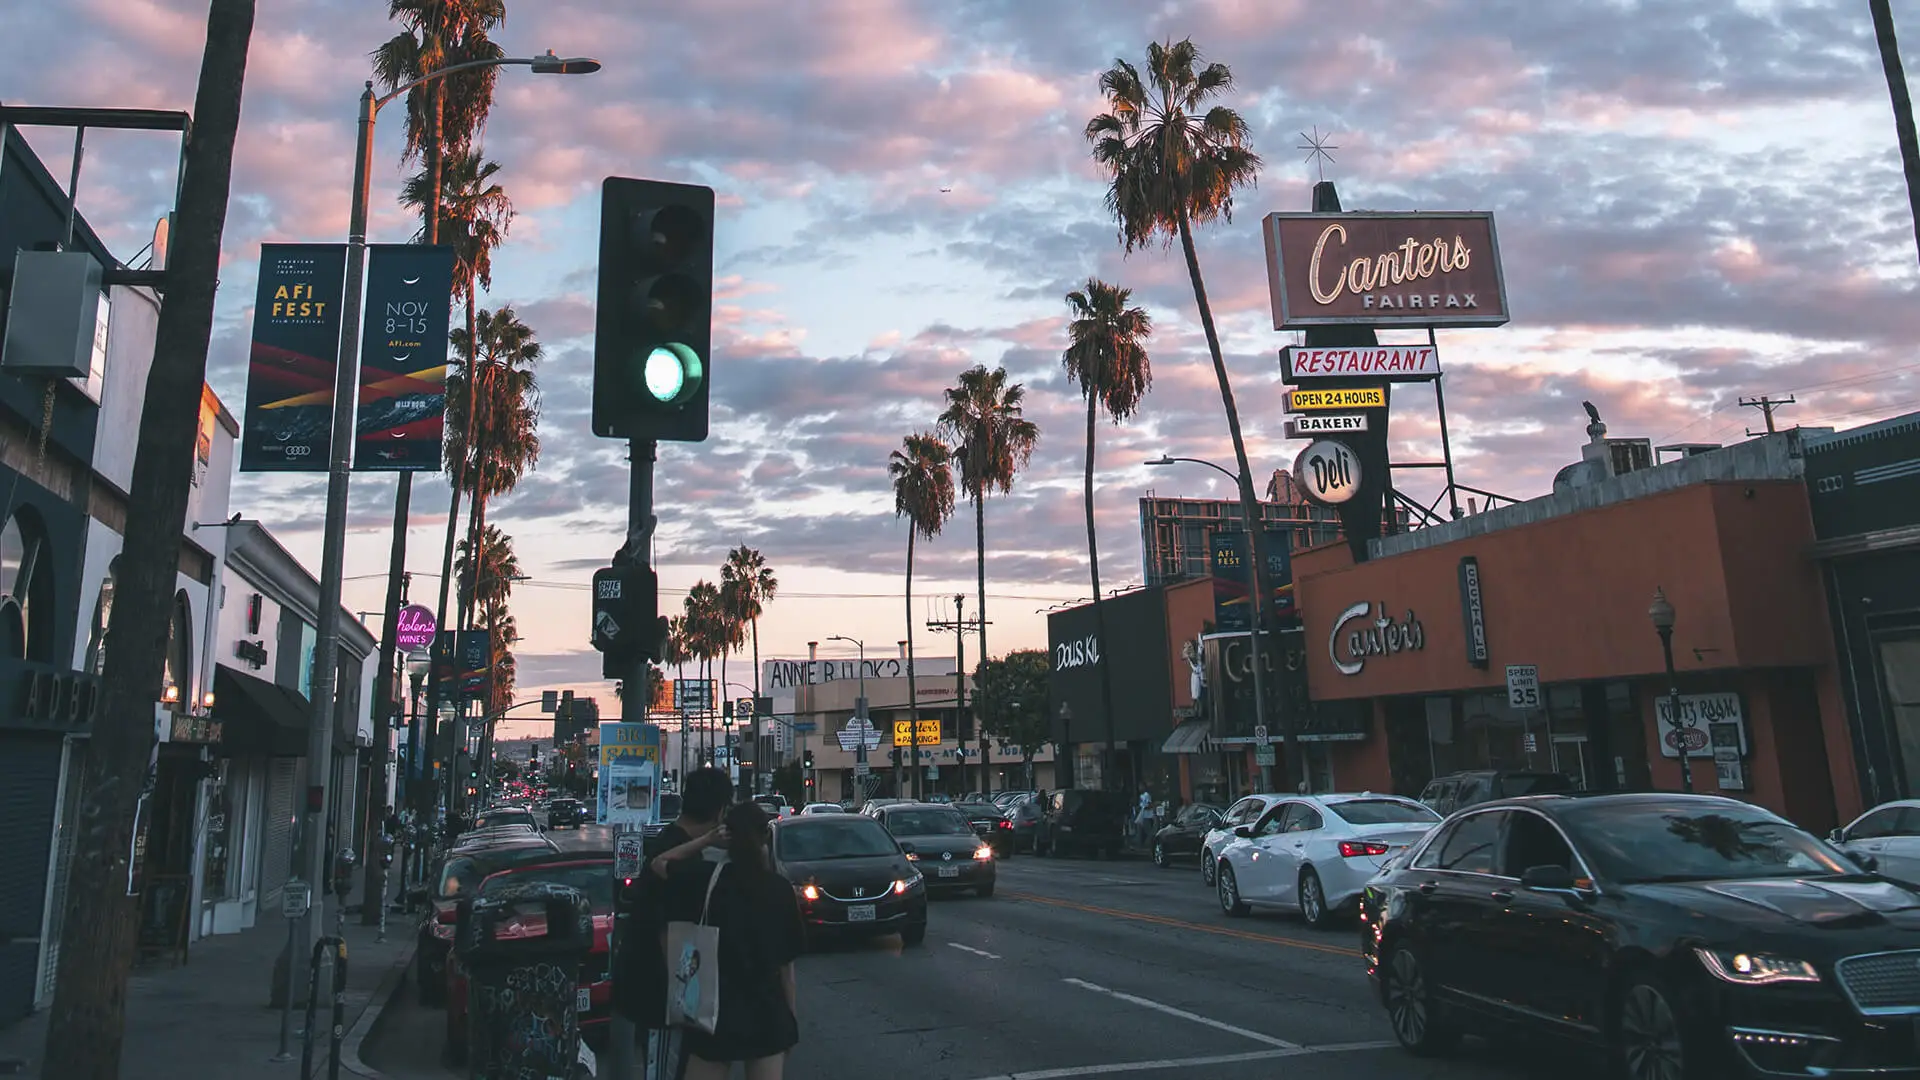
(1766, 405)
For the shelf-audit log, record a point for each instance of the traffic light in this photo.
(808, 759)
(653, 332)
(627, 624)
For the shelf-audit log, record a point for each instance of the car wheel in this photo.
(1649, 1041)
(1160, 855)
(1229, 892)
(1206, 868)
(1410, 1010)
(914, 935)
(1313, 900)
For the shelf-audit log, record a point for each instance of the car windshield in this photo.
(928, 823)
(595, 879)
(849, 837)
(514, 816)
(977, 809)
(1638, 843)
(1534, 783)
(1382, 812)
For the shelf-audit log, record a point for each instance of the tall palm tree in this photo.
(1902, 106)
(993, 440)
(493, 406)
(749, 585)
(704, 636)
(1175, 161)
(1106, 357)
(673, 651)
(486, 584)
(922, 472)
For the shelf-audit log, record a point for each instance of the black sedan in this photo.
(1686, 936)
(566, 813)
(942, 842)
(990, 824)
(1182, 835)
(850, 876)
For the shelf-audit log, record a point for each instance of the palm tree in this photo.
(704, 635)
(922, 472)
(493, 407)
(1107, 357)
(673, 650)
(486, 584)
(749, 584)
(1902, 105)
(993, 441)
(1175, 162)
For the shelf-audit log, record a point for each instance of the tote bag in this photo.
(693, 968)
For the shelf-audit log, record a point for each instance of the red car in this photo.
(592, 874)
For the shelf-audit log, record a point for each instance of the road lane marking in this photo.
(974, 951)
(1186, 1063)
(1149, 1003)
(1162, 920)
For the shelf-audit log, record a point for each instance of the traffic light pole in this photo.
(637, 551)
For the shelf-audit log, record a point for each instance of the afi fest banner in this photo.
(403, 358)
(296, 351)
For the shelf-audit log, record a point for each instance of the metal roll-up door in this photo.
(28, 802)
(66, 829)
(276, 844)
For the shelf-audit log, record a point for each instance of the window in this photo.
(1243, 812)
(1383, 812)
(1533, 841)
(1274, 823)
(927, 823)
(1466, 847)
(848, 839)
(1302, 818)
(96, 662)
(26, 591)
(1633, 844)
(1882, 822)
(178, 672)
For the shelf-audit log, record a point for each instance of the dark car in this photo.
(1457, 791)
(566, 813)
(942, 843)
(1084, 821)
(851, 877)
(1182, 835)
(990, 824)
(454, 880)
(1024, 814)
(504, 815)
(669, 806)
(1685, 935)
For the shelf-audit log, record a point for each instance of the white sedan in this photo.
(1315, 853)
(823, 808)
(1889, 834)
(1244, 811)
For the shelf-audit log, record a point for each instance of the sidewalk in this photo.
(209, 1017)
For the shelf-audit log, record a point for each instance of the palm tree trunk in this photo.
(471, 467)
(913, 690)
(85, 1026)
(1108, 779)
(1902, 106)
(980, 570)
(1249, 506)
(759, 761)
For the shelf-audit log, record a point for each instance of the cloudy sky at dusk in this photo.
(1697, 200)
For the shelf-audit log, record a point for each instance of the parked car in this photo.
(1024, 814)
(568, 813)
(822, 808)
(941, 842)
(1315, 853)
(776, 806)
(872, 807)
(1890, 835)
(505, 815)
(454, 880)
(592, 874)
(1684, 935)
(1182, 835)
(1457, 791)
(1005, 799)
(1244, 811)
(1083, 820)
(990, 824)
(851, 876)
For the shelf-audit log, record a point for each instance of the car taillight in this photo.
(811, 892)
(983, 852)
(1005, 824)
(1353, 849)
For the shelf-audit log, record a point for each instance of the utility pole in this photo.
(959, 625)
(1766, 405)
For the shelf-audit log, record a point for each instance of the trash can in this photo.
(522, 948)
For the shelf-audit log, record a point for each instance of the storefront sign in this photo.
(1355, 397)
(296, 350)
(1384, 269)
(415, 627)
(1353, 640)
(1328, 472)
(787, 674)
(1697, 713)
(629, 775)
(1473, 613)
(1395, 363)
(1077, 653)
(194, 729)
(253, 652)
(904, 733)
(1315, 424)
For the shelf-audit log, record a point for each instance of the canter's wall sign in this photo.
(1353, 397)
(1384, 269)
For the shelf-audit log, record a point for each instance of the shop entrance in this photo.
(1899, 663)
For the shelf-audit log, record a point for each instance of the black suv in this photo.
(1081, 820)
(566, 812)
(1457, 791)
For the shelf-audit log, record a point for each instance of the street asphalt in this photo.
(1080, 968)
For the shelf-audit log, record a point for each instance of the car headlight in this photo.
(983, 852)
(810, 892)
(899, 886)
(1755, 969)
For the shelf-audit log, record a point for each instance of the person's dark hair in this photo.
(706, 793)
(747, 836)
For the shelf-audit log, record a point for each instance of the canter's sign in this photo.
(1313, 425)
(1384, 269)
(1356, 397)
(1396, 363)
(928, 733)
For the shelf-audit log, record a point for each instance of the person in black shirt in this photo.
(760, 937)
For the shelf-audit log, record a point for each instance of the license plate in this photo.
(582, 1000)
(860, 913)
(949, 871)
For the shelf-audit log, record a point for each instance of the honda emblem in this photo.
(859, 890)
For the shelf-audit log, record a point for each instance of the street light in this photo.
(345, 393)
(1257, 624)
(860, 711)
(1661, 612)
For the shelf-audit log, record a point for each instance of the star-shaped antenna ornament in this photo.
(1318, 149)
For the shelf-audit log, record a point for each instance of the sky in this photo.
(1697, 200)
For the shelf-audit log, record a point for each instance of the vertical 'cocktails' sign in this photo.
(403, 358)
(294, 358)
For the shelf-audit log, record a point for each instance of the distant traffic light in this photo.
(653, 332)
(807, 759)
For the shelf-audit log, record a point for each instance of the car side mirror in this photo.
(1244, 832)
(1548, 877)
(1837, 836)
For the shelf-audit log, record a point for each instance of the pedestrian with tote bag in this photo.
(733, 933)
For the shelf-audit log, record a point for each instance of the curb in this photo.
(383, 994)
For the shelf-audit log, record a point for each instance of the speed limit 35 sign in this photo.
(1523, 686)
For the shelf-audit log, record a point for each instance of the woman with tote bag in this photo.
(733, 933)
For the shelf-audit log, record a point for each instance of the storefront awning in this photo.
(1188, 738)
(257, 717)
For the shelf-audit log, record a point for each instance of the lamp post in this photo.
(340, 463)
(1257, 617)
(1661, 612)
(1060, 755)
(419, 750)
(860, 713)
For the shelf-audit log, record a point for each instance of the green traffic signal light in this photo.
(672, 373)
